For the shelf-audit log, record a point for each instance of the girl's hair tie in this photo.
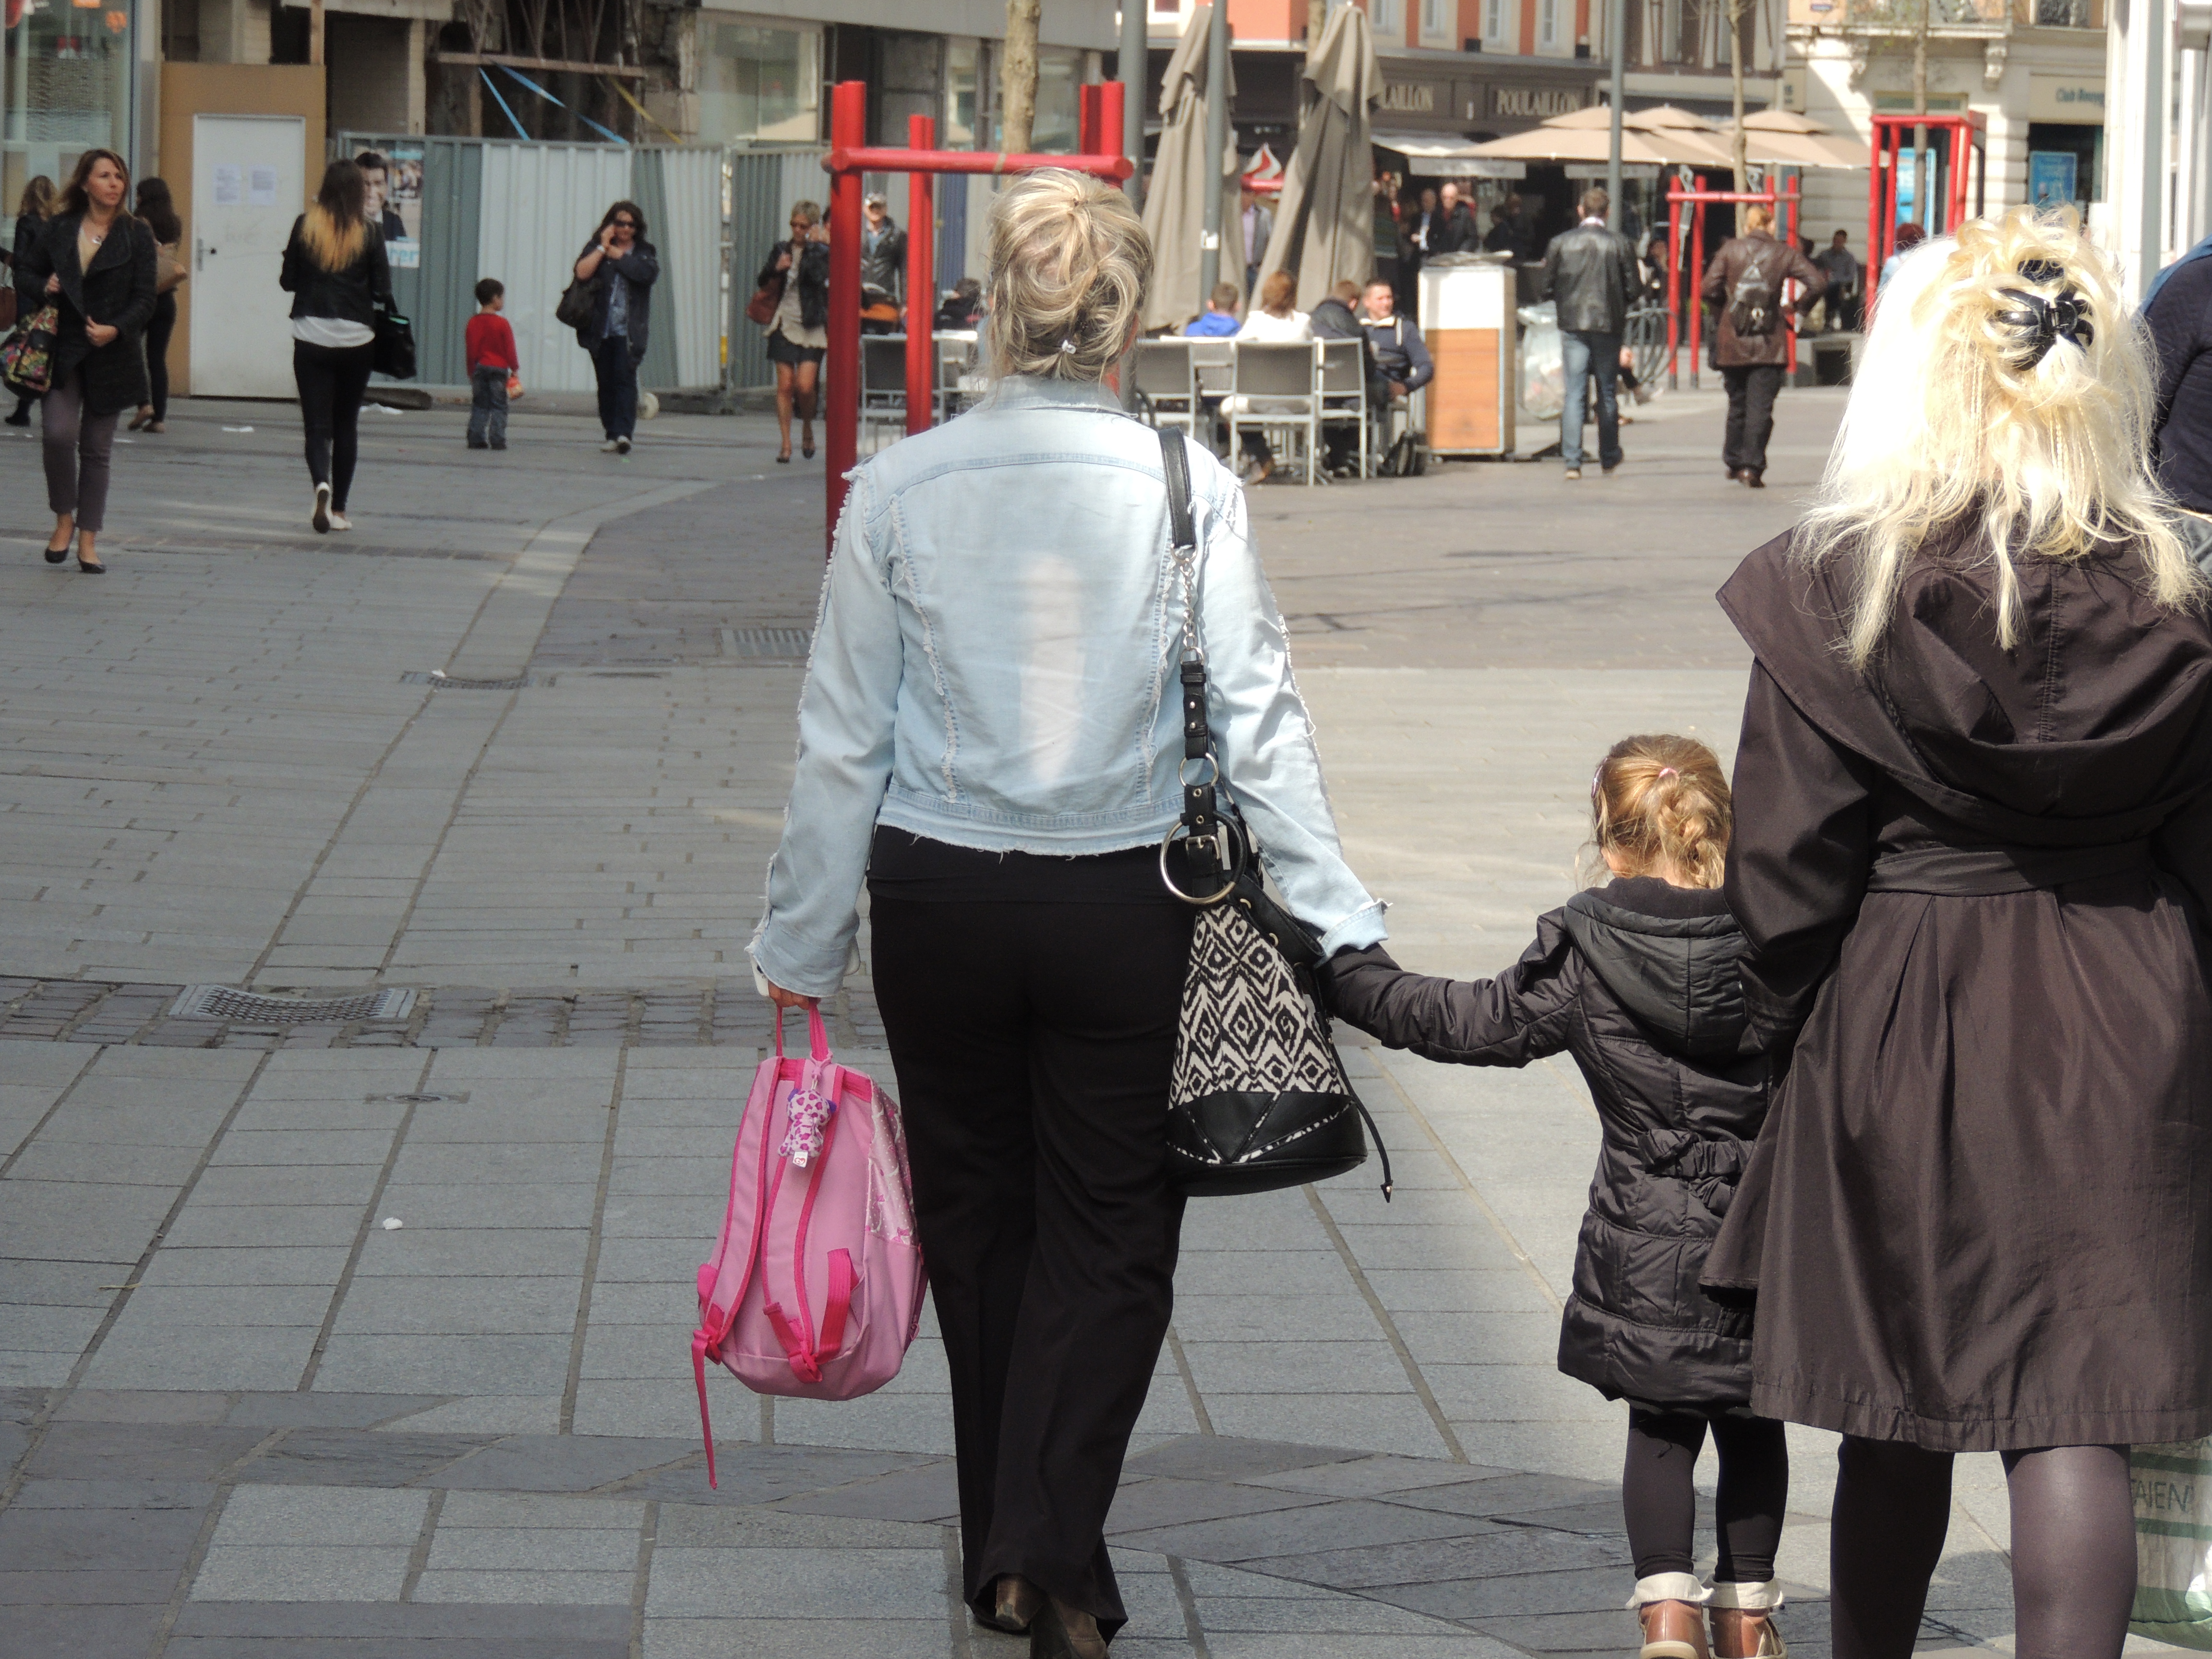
(1668, 772)
(1067, 345)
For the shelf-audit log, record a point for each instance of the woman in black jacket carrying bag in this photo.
(798, 273)
(1638, 981)
(95, 264)
(336, 272)
(621, 267)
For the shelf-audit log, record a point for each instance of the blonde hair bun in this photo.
(1070, 263)
(2005, 386)
(1661, 804)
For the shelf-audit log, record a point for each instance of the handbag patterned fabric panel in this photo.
(1246, 1027)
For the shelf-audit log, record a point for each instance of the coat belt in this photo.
(1984, 871)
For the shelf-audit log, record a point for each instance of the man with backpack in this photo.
(1751, 344)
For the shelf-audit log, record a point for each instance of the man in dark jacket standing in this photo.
(883, 249)
(1751, 341)
(2180, 318)
(1590, 272)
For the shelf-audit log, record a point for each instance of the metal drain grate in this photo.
(226, 1002)
(444, 682)
(790, 643)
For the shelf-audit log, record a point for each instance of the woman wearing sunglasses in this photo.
(621, 267)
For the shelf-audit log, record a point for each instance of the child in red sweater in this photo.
(489, 344)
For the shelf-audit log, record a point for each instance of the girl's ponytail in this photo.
(1662, 803)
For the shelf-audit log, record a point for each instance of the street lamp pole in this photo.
(1136, 84)
(1217, 140)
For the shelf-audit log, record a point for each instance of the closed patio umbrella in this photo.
(1325, 217)
(1175, 200)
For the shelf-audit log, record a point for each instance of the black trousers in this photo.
(158, 330)
(1660, 1500)
(617, 378)
(1033, 1044)
(332, 382)
(1751, 394)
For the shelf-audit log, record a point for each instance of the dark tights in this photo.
(332, 382)
(2073, 1547)
(1662, 1503)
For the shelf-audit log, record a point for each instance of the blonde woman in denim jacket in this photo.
(990, 736)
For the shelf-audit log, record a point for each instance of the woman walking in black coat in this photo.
(1638, 981)
(336, 271)
(797, 333)
(158, 212)
(94, 263)
(32, 212)
(621, 267)
(1973, 854)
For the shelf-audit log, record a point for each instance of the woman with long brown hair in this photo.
(32, 212)
(336, 271)
(157, 211)
(95, 264)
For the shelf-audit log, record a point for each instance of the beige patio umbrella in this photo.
(1174, 199)
(1589, 144)
(1797, 141)
(1325, 217)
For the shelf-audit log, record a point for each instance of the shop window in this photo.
(967, 95)
(759, 83)
(65, 87)
(1059, 100)
(1437, 19)
(1547, 22)
(1495, 18)
(1388, 19)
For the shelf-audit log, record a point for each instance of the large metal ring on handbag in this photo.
(1259, 1098)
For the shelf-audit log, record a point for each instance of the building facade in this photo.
(2034, 68)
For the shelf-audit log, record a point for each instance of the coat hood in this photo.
(1669, 955)
(2092, 728)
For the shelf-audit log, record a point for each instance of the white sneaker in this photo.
(613, 446)
(622, 446)
(320, 517)
(339, 521)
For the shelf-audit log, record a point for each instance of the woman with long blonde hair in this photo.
(1973, 855)
(337, 273)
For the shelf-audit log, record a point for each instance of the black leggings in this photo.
(2073, 1547)
(164, 324)
(1662, 1503)
(332, 383)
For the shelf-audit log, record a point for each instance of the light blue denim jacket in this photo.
(994, 666)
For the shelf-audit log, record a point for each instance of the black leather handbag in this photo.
(392, 352)
(1260, 1099)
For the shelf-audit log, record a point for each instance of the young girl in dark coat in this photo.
(1638, 981)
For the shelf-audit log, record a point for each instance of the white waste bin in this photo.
(1467, 317)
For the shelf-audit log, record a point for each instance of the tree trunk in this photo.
(1019, 78)
(1742, 141)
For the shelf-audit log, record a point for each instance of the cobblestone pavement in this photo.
(369, 1339)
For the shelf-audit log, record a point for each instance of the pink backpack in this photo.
(816, 1288)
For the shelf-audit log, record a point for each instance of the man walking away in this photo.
(1751, 341)
(1257, 222)
(488, 344)
(1590, 272)
(1842, 270)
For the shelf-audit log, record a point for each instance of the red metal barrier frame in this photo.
(1970, 156)
(849, 158)
(1784, 205)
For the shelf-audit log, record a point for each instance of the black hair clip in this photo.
(2046, 322)
(2041, 270)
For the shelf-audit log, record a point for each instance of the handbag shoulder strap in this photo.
(1205, 844)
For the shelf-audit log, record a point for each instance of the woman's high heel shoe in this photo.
(141, 420)
(91, 569)
(60, 555)
(1061, 1632)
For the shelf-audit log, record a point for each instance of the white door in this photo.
(249, 179)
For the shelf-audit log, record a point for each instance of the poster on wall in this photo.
(395, 201)
(2051, 179)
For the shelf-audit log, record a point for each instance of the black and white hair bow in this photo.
(2042, 323)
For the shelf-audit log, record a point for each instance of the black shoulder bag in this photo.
(1260, 1099)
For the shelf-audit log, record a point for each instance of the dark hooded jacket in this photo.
(1972, 884)
(1638, 981)
(116, 289)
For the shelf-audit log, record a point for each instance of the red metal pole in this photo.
(1697, 277)
(1791, 198)
(1874, 187)
(848, 129)
(1673, 285)
(1961, 159)
(1111, 105)
(920, 282)
(1086, 119)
